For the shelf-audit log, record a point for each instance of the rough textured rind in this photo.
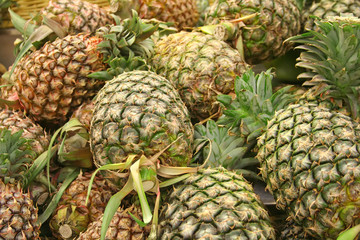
(16, 121)
(140, 112)
(18, 215)
(309, 159)
(215, 204)
(183, 13)
(52, 81)
(200, 67)
(77, 16)
(73, 212)
(263, 35)
(326, 8)
(122, 227)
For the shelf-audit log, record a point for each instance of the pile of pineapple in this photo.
(153, 120)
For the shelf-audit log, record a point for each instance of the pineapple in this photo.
(309, 160)
(72, 215)
(18, 215)
(77, 16)
(53, 81)
(16, 120)
(215, 204)
(140, 112)
(122, 226)
(183, 13)
(84, 113)
(200, 67)
(326, 8)
(258, 37)
(292, 231)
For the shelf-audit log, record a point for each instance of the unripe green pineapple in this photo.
(140, 112)
(215, 204)
(329, 8)
(309, 158)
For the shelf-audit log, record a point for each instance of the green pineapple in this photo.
(309, 160)
(215, 204)
(329, 8)
(140, 113)
(18, 218)
(256, 28)
(200, 67)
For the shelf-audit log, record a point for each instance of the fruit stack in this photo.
(156, 119)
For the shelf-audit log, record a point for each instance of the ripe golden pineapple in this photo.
(200, 67)
(84, 113)
(72, 215)
(18, 215)
(53, 81)
(122, 226)
(77, 15)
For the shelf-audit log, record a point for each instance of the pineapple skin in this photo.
(77, 16)
(18, 215)
(309, 160)
(52, 82)
(122, 226)
(200, 67)
(215, 204)
(84, 113)
(263, 35)
(326, 8)
(140, 112)
(182, 13)
(15, 121)
(72, 211)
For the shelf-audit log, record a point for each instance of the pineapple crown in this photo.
(332, 56)
(254, 104)
(15, 155)
(126, 46)
(223, 148)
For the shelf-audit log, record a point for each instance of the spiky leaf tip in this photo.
(16, 155)
(331, 53)
(254, 104)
